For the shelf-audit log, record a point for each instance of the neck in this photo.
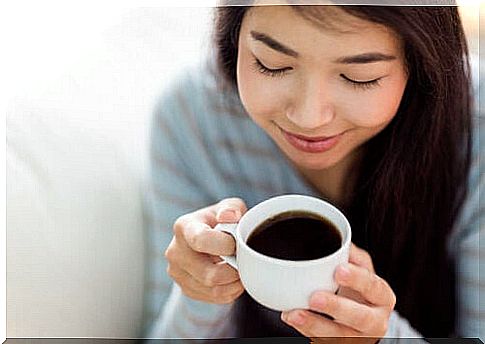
(337, 182)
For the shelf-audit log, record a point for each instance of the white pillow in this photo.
(76, 173)
(74, 228)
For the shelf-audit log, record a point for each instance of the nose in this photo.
(312, 107)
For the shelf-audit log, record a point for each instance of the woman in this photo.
(367, 107)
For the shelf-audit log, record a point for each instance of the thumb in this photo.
(230, 210)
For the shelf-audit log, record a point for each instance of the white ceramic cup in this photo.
(285, 284)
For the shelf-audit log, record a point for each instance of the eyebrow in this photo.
(273, 44)
(355, 59)
(365, 58)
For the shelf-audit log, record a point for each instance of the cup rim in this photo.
(296, 263)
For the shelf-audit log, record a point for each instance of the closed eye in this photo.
(268, 71)
(361, 84)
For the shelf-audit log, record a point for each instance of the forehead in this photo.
(321, 29)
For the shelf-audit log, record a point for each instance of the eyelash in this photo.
(362, 84)
(270, 72)
(280, 72)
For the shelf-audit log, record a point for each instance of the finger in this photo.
(351, 294)
(357, 316)
(209, 214)
(205, 215)
(202, 238)
(373, 288)
(189, 286)
(194, 289)
(230, 210)
(360, 257)
(196, 294)
(313, 325)
(224, 293)
(208, 273)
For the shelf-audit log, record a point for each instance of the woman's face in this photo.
(320, 93)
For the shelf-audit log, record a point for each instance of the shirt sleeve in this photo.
(176, 188)
(466, 244)
(399, 330)
(469, 248)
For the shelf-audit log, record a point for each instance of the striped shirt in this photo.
(203, 150)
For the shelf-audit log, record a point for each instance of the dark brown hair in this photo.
(414, 178)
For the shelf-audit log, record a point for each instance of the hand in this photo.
(361, 308)
(193, 254)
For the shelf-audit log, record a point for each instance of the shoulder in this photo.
(206, 130)
(193, 101)
(198, 85)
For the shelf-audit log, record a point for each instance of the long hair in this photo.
(414, 177)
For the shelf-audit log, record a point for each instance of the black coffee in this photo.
(295, 235)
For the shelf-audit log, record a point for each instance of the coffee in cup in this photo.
(288, 247)
(295, 235)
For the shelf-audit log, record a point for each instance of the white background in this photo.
(103, 63)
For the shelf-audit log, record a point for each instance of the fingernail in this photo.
(295, 318)
(318, 301)
(343, 272)
(229, 214)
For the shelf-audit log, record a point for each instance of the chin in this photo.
(317, 162)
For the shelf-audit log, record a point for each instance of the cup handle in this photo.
(229, 228)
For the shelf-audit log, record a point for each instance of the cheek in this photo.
(262, 97)
(377, 109)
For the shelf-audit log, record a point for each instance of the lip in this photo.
(311, 144)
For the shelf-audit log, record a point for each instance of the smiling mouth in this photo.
(311, 144)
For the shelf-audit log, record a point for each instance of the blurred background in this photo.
(80, 83)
